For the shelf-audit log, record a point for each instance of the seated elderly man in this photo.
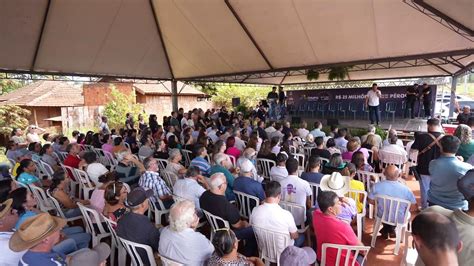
(150, 179)
(391, 133)
(392, 148)
(174, 164)
(393, 188)
(128, 168)
(217, 204)
(179, 241)
(200, 160)
(191, 187)
(244, 183)
(222, 164)
(371, 131)
(251, 155)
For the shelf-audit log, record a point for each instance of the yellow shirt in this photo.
(357, 185)
(15, 168)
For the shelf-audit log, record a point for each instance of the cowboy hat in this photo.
(335, 182)
(5, 207)
(34, 230)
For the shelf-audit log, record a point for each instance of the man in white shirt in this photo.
(212, 134)
(279, 172)
(239, 143)
(302, 131)
(271, 216)
(341, 141)
(189, 188)
(184, 120)
(317, 132)
(393, 148)
(179, 241)
(295, 189)
(93, 168)
(391, 133)
(372, 101)
(371, 131)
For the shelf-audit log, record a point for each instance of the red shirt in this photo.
(72, 161)
(329, 229)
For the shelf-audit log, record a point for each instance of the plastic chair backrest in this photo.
(44, 202)
(301, 159)
(266, 165)
(83, 178)
(56, 204)
(394, 210)
(169, 262)
(369, 179)
(355, 250)
(356, 195)
(169, 177)
(162, 163)
(216, 221)
(246, 203)
(271, 243)
(314, 196)
(46, 169)
(232, 159)
(298, 212)
(187, 154)
(132, 250)
(92, 217)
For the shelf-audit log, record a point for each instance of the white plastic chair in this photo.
(298, 212)
(116, 244)
(388, 158)
(232, 159)
(369, 179)
(85, 184)
(216, 222)
(307, 151)
(73, 184)
(187, 154)
(169, 177)
(46, 169)
(314, 196)
(271, 244)
(390, 208)
(301, 160)
(158, 213)
(355, 195)
(44, 203)
(109, 159)
(265, 165)
(410, 255)
(62, 155)
(412, 160)
(162, 163)
(293, 149)
(343, 249)
(132, 250)
(59, 211)
(92, 217)
(245, 201)
(169, 262)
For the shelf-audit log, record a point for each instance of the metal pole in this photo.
(453, 95)
(174, 95)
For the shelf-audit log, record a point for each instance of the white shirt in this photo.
(278, 173)
(212, 135)
(276, 149)
(33, 137)
(239, 144)
(184, 121)
(373, 98)
(187, 247)
(341, 143)
(270, 130)
(296, 190)
(190, 189)
(8, 257)
(94, 170)
(303, 132)
(392, 148)
(399, 143)
(273, 217)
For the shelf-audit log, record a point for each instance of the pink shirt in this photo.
(97, 200)
(348, 154)
(329, 229)
(233, 151)
(107, 147)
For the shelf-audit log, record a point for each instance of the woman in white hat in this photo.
(340, 185)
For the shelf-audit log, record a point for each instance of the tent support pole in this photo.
(453, 95)
(174, 95)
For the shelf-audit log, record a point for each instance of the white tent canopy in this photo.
(251, 41)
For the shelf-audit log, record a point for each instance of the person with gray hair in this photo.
(150, 179)
(215, 202)
(245, 183)
(251, 155)
(371, 131)
(128, 168)
(391, 134)
(174, 164)
(191, 187)
(179, 241)
(222, 164)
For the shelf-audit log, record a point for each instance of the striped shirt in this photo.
(202, 164)
(152, 180)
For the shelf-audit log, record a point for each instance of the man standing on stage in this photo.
(411, 100)
(426, 95)
(372, 101)
(272, 98)
(281, 101)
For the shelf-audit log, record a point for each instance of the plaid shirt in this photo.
(152, 180)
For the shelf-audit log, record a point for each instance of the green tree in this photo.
(12, 116)
(9, 85)
(119, 104)
(249, 95)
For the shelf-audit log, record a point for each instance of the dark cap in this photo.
(466, 185)
(137, 196)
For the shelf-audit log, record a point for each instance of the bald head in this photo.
(391, 172)
(218, 183)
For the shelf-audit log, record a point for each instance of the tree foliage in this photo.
(9, 85)
(12, 116)
(249, 95)
(119, 104)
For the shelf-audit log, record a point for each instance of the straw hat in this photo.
(336, 183)
(34, 230)
(5, 207)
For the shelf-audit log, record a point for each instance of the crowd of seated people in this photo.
(214, 154)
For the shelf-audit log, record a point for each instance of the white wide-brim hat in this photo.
(335, 182)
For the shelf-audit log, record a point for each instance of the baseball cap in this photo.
(466, 185)
(246, 166)
(93, 256)
(295, 256)
(137, 196)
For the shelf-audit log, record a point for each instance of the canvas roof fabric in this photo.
(164, 88)
(247, 41)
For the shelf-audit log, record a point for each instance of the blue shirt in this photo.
(312, 177)
(27, 178)
(229, 193)
(249, 186)
(52, 258)
(393, 189)
(445, 173)
(317, 133)
(202, 164)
